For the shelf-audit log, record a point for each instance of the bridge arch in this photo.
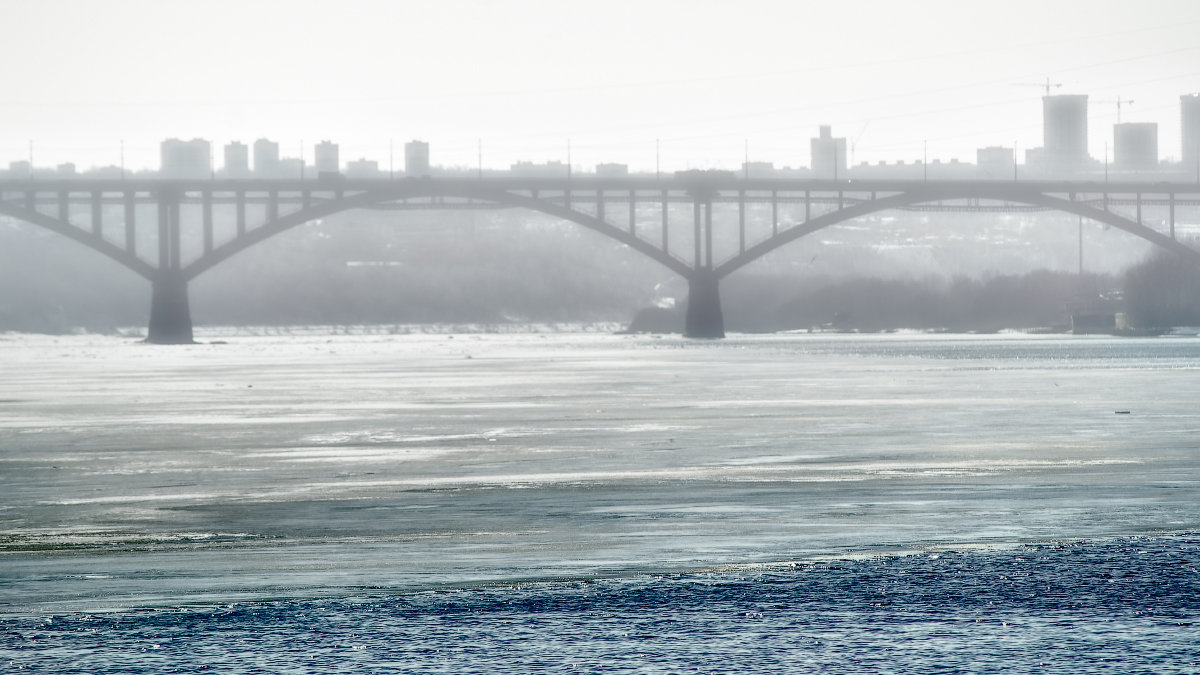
(97, 243)
(419, 189)
(170, 320)
(924, 196)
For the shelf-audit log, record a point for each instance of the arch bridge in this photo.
(669, 219)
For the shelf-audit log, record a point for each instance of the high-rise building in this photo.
(1190, 107)
(1064, 130)
(363, 168)
(416, 158)
(758, 169)
(325, 159)
(1135, 146)
(612, 169)
(291, 167)
(994, 163)
(828, 155)
(186, 159)
(20, 169)
(266, 159)
(237, 160)
(552, 169)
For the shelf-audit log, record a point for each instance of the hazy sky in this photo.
(707, 80)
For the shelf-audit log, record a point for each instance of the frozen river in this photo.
(308, 466)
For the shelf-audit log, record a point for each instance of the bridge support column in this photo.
(170, 314)
(704, 318)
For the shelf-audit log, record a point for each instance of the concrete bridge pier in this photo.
(704, 318)
(170, 314)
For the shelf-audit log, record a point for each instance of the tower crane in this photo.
(1119, 101)
(1045, 85)
(854, 143)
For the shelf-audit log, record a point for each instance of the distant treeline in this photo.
(459, 269)
(1037, 299)
(1161, 292)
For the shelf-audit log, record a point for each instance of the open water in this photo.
(587, 502)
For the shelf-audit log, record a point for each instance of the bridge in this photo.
(195, 224)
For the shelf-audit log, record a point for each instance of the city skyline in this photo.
(1134, 152)
(675, 85)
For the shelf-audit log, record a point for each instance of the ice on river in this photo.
(305, 465)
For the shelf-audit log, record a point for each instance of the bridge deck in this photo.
(724, 183)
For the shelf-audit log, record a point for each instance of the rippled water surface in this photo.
(461, 502)
(1118, 607)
